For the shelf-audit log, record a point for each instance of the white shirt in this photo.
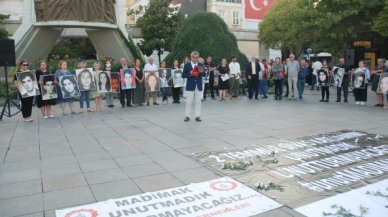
(193, 64)
(150, 68)
(234, 68)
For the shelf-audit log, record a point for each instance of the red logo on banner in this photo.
(223, 185)
(82, 213)
(256, 9)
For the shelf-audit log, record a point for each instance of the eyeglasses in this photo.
(25, 65)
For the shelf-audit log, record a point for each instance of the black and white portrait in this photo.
(28, 85)
(165, 77)
(358, 79)
(383, 84)
(49, 90)
(338, 76)
(177, 78)
(85, 79)
(103, 82)
(323, 77)
(207, 72)
(69, 86)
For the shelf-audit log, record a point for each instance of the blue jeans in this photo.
(164, 93)
(85, 96)
(263, 86)
(300, 84)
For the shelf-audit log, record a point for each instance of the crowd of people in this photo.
(219, 81)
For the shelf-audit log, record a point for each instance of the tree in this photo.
(329, 25)
(380, 24)
(3, 32)
(159, 25)
(208, 34)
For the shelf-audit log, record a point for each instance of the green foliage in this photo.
(331, 26)
(269, 186)
(380, 24)
(208, 34)
(159, 25)
(132, 47)
(342, 212)
(3, 32)
(11, 88)
(72, 64)
(239, 165)
(75, 49)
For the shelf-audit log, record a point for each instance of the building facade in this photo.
(242, 17)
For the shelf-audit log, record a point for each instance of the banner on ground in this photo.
(222, 197)
(300, 172)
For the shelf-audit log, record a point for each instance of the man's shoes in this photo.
(256, 98)
(265, 97)
(322, 100)
(276, 98)
(129, 105)
(338, 100)
(186, 119)
(198, 119)
(155, 103)
(111, 106)
(327, 100)
(148, 104)
(345, 101)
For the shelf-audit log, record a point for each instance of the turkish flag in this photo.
(256, 9)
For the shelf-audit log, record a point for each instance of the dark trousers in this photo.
(211, 87)
(278, 87)
(285, 81)
(175, 93)
(205, 90)
(253, 87)
(325, 91)
(344, 88)
(26, 106)
(125, 94)
(361, 95)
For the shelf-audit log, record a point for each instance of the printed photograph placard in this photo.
(85, 79)
(152, 81)
(165, 77)
(207, 71)
(338, 76)
(48, 88)
(103, 82)
(358, 79)
(69, 86)
(177, 78)
(115, 81)
(323, 78)
(28, 85)
(128, 78)
(383, 84)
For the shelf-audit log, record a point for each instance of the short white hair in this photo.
(194, 53)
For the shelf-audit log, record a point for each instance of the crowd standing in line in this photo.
(226, 78)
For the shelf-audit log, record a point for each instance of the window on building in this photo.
(222, 14)
(236, 18)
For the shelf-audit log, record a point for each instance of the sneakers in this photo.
(45, 117)
(362, 103)
(358, 103)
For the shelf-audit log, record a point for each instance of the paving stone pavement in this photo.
(79, 159)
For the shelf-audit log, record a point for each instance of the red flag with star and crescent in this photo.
(256, 9)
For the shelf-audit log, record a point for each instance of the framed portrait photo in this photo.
(338, 76)
(177, 78)
(165, 77)
(128, 78)
(28, 85)
(115, 81)
(358, 79)
(323, 78)
(85, 79)
(69, 86)
(383, 84)
(152, 81)
(48, 88)
(103, 82)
